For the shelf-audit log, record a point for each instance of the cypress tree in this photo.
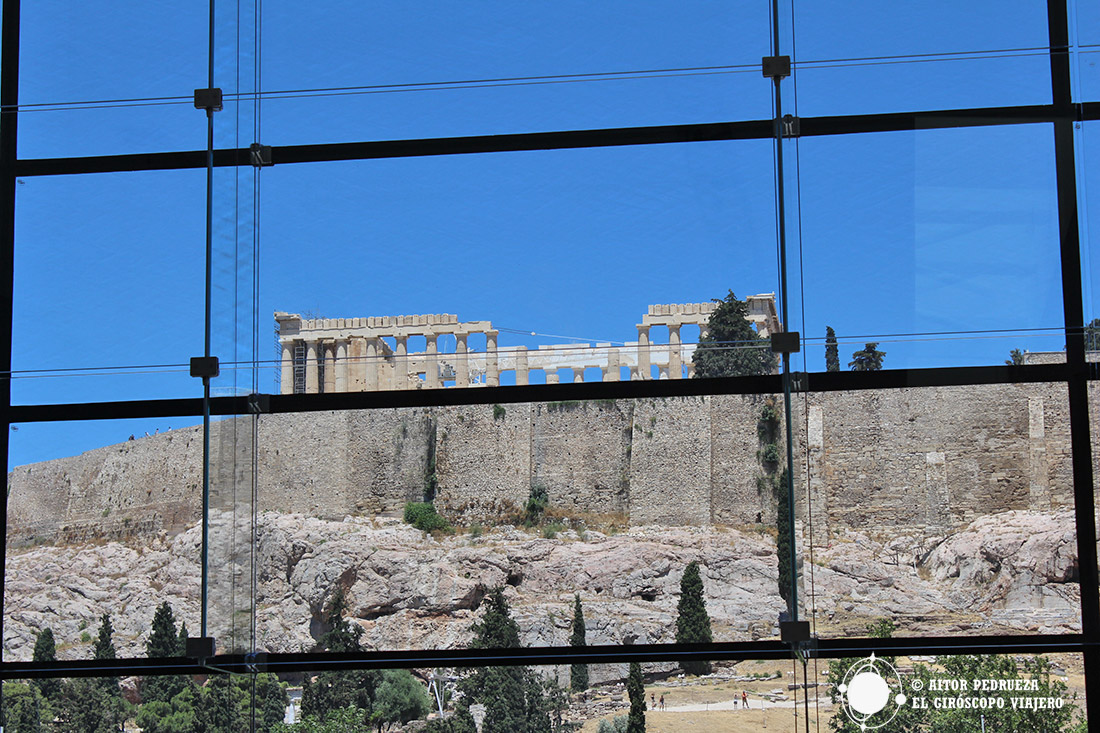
(513, 697)
(104, 644)
(692, 621)
(45, 650)
(163, 641)
(332, 691)
(578, 673)
(832, 353)
(783, 538)
(635, 690)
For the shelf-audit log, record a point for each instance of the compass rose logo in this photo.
(871, 693)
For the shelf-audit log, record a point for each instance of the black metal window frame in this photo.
(1061, 115)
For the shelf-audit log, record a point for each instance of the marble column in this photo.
(328, 348)
(342, 366)
(675, 353)
(552, 376)
(643, 352)
(462, 362)
(371, 364)
(492, 366)
(523, 375)
(432, 361)
(611, 373)
(401, 362)
(357, 368)
(311, 367)
(286, 369)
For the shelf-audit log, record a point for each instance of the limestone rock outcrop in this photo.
(406, 589)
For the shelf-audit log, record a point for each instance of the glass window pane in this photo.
(109, 272)
(942, 510)
(110, 530)
(941, 246)
(551, 250)
(863, 57)
(380, 73)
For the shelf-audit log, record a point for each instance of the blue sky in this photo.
(892, 233)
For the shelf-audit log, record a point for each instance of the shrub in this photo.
(423, 516)
(617, 725)
(537, 502)
(475, 530)
(498, 412)
(771, 453)
(550, 531)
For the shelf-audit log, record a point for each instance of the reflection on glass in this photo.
(940, 245)
(915, 83)
(112, 530)
(565, 249)
(99, 270)
(368, 74)
(1087, 139)
(938, 510)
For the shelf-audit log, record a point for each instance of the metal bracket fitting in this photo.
(209, 99)
(776, 67)
(260, 155)
(205, 366)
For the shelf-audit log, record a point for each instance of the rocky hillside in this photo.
(1013, 571)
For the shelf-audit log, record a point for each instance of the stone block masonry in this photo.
(925, 458)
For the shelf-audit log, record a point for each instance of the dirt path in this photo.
(735, 704)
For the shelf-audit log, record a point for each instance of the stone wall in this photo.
(924, 458)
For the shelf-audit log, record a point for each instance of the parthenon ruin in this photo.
(370, 354)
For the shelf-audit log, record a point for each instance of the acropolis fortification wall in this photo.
(920, 458)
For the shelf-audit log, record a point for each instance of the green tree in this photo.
(94, 705)
(1015, 358)
(867, 360)
(45, 650)
(1092, 335)
(271, 702)
(89, 705)
(635, 690)
(222, 705)
(163, 641)
(331, 691)
(104, 644)
(513, 696)
(401, 698)
(692, 621)
(783, 538)
(1004, 667)
(578, 673)
(732, 348)
(460, 722)
(23, 708)
(832, 353)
